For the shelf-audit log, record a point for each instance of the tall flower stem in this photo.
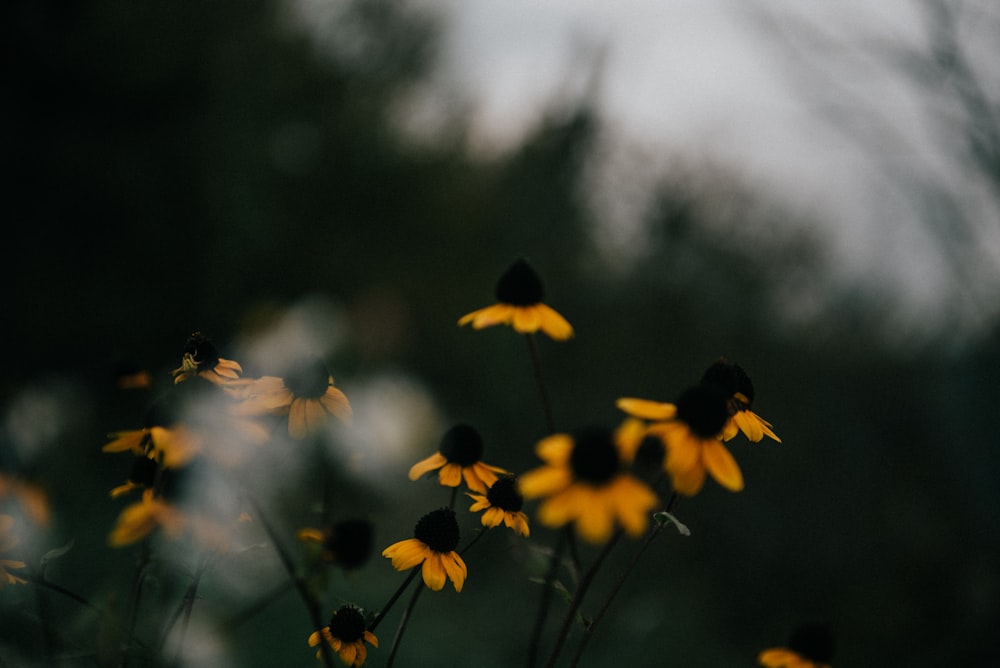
(581, 591)
(543, 605)
(183, 612)
(543, 394)
(392, 599)
(312, 605)
(588, 630)
(135, 593)
(403, 622)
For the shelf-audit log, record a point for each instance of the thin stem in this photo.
(581, 591)
(183, 611)
(543, 605)
(135, 593)
(536, 364)
(588, 629)
(392, 600)
(258, 605)
(312, 605)
(402, 624)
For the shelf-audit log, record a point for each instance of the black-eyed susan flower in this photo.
(738, 387)
(435, 538)
(520, 303)
(459, 456)
(811, 646)
(8, 541)
(691, 429)
(201, 358)
(140, 519)
(502, 503)
(585, 481)
(347, 543)
(346, 635)
(306, 395)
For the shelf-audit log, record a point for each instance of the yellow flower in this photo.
(346, 635)
(306, 395)
(28, 495)
(459, 457)
(520, 295)
(737, 385)
(8, 541)
(584, 481)
(142, 518)
(811, 646)
(502, 503)
(691, 431)
(201, 358)
(433, 545)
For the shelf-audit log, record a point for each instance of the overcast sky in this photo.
(750, 84)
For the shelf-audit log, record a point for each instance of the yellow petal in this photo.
(456, 569)
(432, 463)
(722, 466)
(553, 324)
(406, 553)
(434, 572)
(595, 516)
(555, 449)
(543, 481)
(646, 409)
(526, 319)
(450, 475)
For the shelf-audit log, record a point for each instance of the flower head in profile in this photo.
(8, 541)
(502, 503)
(459, 456)
(201, 358)
(346, 634)
(306, 395)
(738, 387)
(347, 543)
(520, 303)
(585, 481)
(165, 435)
(433, 545)
(142, 518)
(811, 646)
(691, 430)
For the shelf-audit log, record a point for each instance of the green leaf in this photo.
(663, 518)
(54, 554)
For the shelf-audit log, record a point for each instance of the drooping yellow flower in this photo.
(306, 395)
(142, 518)
(435, 538)
(585, 481)
(201, 358)
(502, 503)
(811, 646)
(8, 541)
(691, 430)
(459, 456)
(346, 635)
(520, 304)
(738, 387)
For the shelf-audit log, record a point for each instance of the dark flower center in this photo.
(348, 624)
(143, 471)
(438, 530)
(813, 642)
(520, 285)
(595, 457)
(462, 445)
(309, 379)
(731, 378)
(703, 409)
(504, 495)
(202, 350)
(349, 543)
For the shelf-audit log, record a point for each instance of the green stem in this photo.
(588, 630)
(402, 624)
(543, 605)
(581, 591)
(392, 600)
(536, 364)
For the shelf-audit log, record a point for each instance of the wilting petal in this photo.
(406, 553)
(553, 324)
(434, 572)
(456, 569)
(432, 463)
(722, 466)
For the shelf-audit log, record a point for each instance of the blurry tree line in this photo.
(200, 166)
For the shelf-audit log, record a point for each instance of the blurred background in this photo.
(813, 194)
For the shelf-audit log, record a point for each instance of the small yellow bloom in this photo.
(584, 481)
(520, 305)
(502, 503)
(739, 389)
(432, 547)
(201, 358)
(306, 396)
(459, 456)
(142, 518)
(346, 635)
